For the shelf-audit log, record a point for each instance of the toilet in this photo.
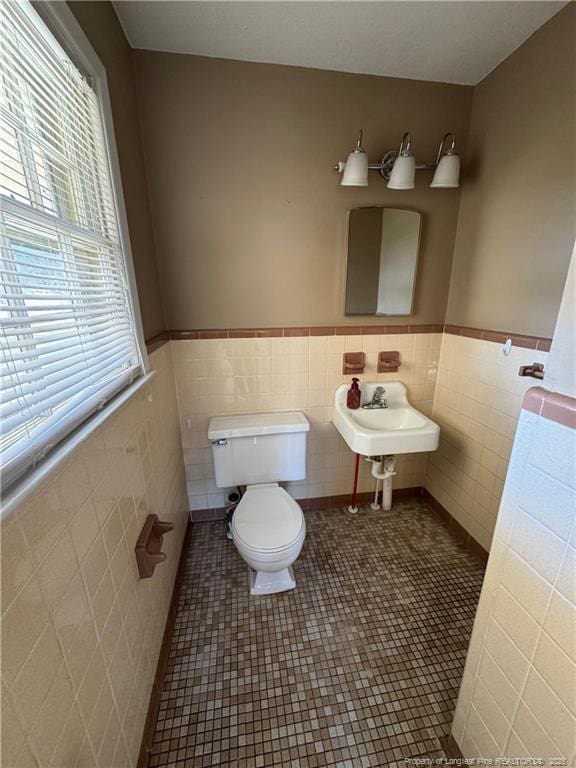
(259, 451)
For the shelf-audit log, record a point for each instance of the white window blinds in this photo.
(68, 341)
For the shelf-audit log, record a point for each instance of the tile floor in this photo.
(359, 666)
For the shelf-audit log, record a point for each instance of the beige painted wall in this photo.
(101, 26)
(517, 215)
(251, 221)
(513, 245)
(561, 368)
(249, 216)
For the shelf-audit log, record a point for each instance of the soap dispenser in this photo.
(353, 397)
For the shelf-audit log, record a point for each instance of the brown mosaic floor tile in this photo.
(358, 667)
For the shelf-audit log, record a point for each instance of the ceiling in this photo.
(452, 42)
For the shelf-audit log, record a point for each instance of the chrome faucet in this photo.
(378, 399)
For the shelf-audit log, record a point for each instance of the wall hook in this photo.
(535, 371)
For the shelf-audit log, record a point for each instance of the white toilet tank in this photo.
(258, 448)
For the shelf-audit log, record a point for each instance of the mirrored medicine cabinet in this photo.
(383, 245)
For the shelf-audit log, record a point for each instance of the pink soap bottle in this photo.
(353, 397)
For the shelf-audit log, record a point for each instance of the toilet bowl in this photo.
(268, 529)
(258, 451)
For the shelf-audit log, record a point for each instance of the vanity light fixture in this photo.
(399, 168)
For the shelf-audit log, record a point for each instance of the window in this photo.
(70, 338)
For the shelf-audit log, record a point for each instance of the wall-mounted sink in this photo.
(399, 428)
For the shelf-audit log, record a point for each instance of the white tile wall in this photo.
(255, 375)
(477, 403)
(518, 694)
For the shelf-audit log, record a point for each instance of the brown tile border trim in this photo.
(551, 405)
(451, 748)
(325, 330)
(157, 341)
(161, 667)
(518, 340)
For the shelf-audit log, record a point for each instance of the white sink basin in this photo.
(399, 428)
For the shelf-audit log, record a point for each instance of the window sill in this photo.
(23, 488)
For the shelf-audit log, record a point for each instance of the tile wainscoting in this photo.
(477, 403)
(256, 374)
(80, 631)
(69, 572)
(517, 695)
(460, 377)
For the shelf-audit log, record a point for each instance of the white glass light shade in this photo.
(356, 170)
(403, 172)
(447, 173)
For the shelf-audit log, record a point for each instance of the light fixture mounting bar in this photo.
(385, 165)
(446, 167)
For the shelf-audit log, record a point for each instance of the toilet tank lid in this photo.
(251, 424)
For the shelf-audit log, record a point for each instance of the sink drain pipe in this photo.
(383, 468)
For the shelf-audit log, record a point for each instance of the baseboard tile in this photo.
(451, 748)
(454, 526)
(399, 494)
(312, 504)
(206, 515)
(319, 503)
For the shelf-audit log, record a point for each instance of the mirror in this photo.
(382, 259)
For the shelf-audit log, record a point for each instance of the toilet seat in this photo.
(267, 520)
